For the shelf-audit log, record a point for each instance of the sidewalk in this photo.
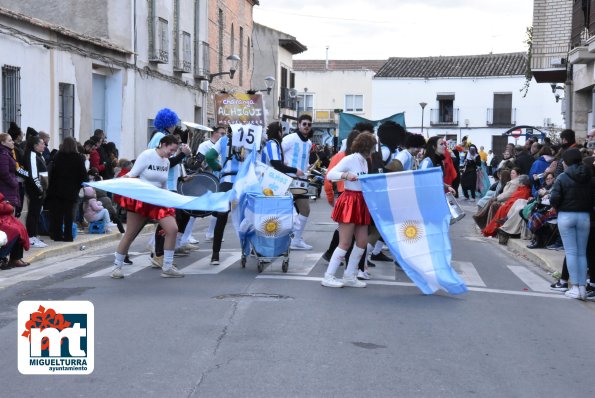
(83, 241)
(549, 260)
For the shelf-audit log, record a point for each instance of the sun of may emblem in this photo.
(270, 226)
(411, 231)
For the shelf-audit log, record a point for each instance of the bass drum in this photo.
(198, 185)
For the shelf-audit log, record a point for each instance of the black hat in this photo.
(14, 130)
(31, 132)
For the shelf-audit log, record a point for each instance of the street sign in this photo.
(516, 133)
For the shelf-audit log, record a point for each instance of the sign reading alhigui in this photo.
(239, 108)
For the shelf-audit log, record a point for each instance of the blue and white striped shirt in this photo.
(296, 152)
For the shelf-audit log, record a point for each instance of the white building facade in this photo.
(69, 69)
(480, 97)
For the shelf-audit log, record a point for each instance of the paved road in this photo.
(288, 336)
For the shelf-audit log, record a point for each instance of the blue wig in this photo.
(165, 118)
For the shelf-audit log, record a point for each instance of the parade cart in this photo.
(265, 230)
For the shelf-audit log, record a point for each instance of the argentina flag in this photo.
(411, 213)
(267, 223)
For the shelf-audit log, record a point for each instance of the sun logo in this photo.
(270, 226)
(411, 231)
(267, 192)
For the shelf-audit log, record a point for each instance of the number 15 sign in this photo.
(246, 135)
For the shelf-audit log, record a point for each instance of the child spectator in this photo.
(94, 210)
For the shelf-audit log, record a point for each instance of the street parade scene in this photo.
(197, 200)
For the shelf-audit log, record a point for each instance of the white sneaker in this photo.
(351, 281)
(173, 272)
(299, 244)
(363, 275)
(111, 225)
(331, 281)
(193, 241)
(209, 238)
(117, 273)
(574, 292)
(35, 242)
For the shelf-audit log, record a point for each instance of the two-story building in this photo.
(479, 96)
(327, 87)
(273, 57)
(69, 67)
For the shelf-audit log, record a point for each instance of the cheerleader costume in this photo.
(350, 207)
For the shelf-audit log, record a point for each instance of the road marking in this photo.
(475, 239)
(301, 262)
(407, 284)
(140, 263)
(531, 279)
(204, 267)
(469, 273)
(41, 270)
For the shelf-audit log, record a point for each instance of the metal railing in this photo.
(443, 117)
(501, 117)
(320, 115)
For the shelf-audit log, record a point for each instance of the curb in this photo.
(61, 248)
(548, 260)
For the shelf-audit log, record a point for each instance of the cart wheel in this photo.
(285, 265)
(243, 261)
(260, 266)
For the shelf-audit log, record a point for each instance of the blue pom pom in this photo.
(165, 118)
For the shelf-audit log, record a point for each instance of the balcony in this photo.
(320, 116)
(501, 117)
(549, 63)
(442, 117)
(286, 100)
(201, 59)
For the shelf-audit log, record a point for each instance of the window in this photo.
(159, 41)
(150, 129)
(502, 109)
(233, 39)
(220, 49)
(354, 103)
(186, 52)
(66, 110)
(11, 96)
(445, 108)
(306, 103)
(241, 44)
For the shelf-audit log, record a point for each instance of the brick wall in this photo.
(552, 24)
(239, 14)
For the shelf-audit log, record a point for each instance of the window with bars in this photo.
(66, 110)
(354, 103)
(11, 96)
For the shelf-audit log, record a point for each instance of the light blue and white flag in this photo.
(411, 213)
(267, 223)
(246, 182)
(135, 188)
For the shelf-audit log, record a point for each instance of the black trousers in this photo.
(62, 215)
(33, 213)
(221, 220)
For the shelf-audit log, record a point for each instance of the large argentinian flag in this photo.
(135, 188)
(411, 213)
(267, 223)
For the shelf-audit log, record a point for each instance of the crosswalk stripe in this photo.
(469, 273)
(140, 263)
(204, 267)
(529, 278)
(300, 263)
(390, 283)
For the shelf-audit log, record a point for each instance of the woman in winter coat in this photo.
(34, 186)
(9, 185)
(538, 168)
(66, 177)
(573, 197)
(16, 235)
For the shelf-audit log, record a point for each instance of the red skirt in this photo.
(351, 208)
(145, 209)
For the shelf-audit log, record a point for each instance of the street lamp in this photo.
(234, 60)
(269, 81)
(423, 105)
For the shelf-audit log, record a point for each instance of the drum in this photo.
(299, 186)
(456, 212)
(198, 185)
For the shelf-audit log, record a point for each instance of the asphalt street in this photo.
(229, 331)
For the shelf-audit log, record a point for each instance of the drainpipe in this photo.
(326, 64)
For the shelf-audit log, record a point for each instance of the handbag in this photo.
(528, 209)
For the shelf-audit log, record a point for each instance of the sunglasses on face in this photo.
(305, 124)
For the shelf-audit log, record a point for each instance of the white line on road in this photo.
(204, 267)
(389, 283)
(469, 273)
(529, 278)
(140, 263)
